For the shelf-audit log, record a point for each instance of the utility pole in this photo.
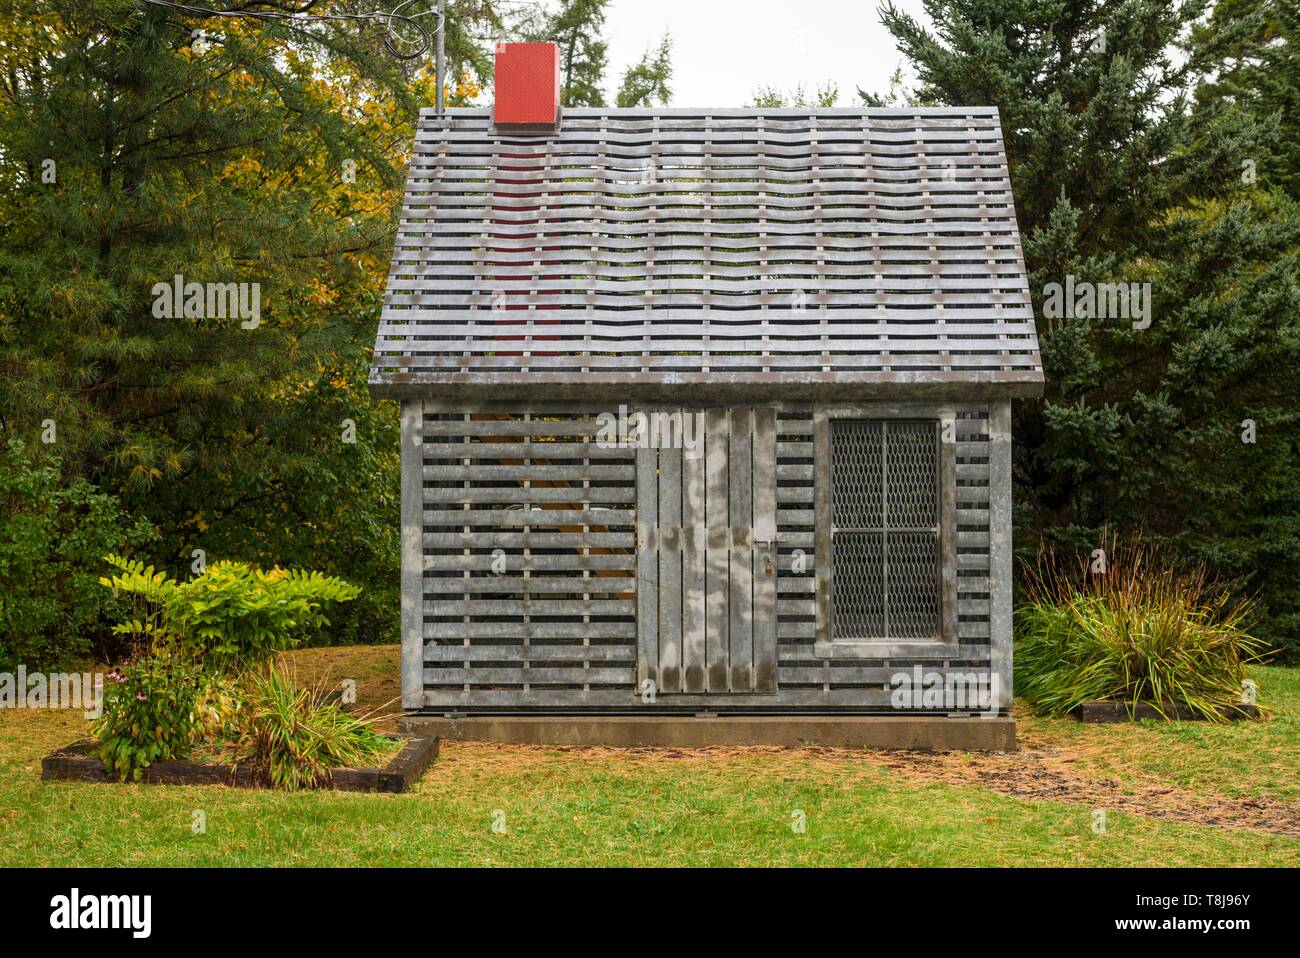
(440, 100)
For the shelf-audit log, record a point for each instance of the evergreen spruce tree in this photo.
(645, 83)
(1116, 178)
(575, 27)
(1261, 73)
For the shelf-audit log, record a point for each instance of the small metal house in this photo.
(707, 411)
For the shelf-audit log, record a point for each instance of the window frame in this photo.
(826, 645)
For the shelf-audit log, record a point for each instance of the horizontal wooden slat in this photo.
(482, 675)
(517, 563)
(501, 452)
(535, 518)
(531, 653)
(557, 607)
(496, 538)
(539, 586)
(596, 472)
(871, 699)
(572, 496)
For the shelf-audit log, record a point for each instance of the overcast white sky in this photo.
(724, 49)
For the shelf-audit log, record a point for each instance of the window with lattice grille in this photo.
(885, 529)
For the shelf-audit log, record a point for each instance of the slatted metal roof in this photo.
(795, 254)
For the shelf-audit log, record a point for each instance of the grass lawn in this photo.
(1184, 794)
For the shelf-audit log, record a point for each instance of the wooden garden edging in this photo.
(1098, 711)
(78, 763)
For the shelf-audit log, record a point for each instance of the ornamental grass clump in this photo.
(296, 736)
(1129, 626)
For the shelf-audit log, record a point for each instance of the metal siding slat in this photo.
(717, 431)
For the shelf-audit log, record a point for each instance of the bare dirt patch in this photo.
(1035, 773)
(1047, 774)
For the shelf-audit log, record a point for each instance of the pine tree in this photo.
(142, 143)
(645, 83)
(575, 28)
(1261, 73)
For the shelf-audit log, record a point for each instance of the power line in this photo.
(304, 18)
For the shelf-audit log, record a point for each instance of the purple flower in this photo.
(140, 696)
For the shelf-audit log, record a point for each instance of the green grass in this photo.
(605, 807)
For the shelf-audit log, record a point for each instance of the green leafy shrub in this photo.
(232, 614)
(296, 737)
(152, 713)
(52, 535)
(1145, 631)
(175, 691)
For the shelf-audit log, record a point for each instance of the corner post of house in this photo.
(412, 554)
(1000, 554)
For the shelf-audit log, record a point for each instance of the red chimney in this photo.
(527, 85)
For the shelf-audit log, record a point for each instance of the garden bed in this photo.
(78, 762)
(1098, 711)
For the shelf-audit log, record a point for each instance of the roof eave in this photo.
(481, 390)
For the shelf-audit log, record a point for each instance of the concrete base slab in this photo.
(688, 731)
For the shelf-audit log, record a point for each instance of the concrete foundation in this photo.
(929, 733)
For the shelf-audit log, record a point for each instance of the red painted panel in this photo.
(527, 84)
